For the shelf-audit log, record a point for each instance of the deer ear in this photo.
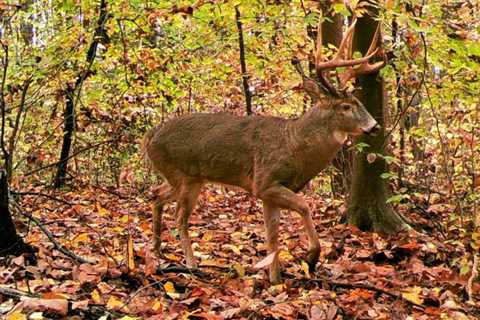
(313, 89)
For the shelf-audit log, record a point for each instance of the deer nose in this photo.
(374, 130)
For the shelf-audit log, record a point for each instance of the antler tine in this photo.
(318, 61)
(319, 44)
(346, 43)
(327, 84)
(339, 61)
(374, 40)
(365, 67)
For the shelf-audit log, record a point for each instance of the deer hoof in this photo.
(191, 263)
(312, 258)
(275, 278)
(157, 248)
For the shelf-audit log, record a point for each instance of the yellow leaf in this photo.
(130, 254)
(170, 290)
(157, 305)
(96, 297)
(305, 269)
(17, 315)
(413, 294)
(232, 247)
(194, 234)
(118, 229)
(124, 218)
(208, 235)
(169, 287)
(171, 256)
(285, 255)
(82, 237)
(102, 211)
(114, 303)
(239, 269)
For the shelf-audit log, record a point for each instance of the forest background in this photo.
(82, 81)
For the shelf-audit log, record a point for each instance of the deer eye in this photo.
(346, 107)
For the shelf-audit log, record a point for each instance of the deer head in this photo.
(348, 112)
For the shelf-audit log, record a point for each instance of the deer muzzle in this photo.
(373, 130)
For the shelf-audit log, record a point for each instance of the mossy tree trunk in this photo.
(367, 207)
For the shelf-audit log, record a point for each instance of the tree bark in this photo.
(10, 242)
(100, 35)
(332, 34)
(243, 63)
(367, 207)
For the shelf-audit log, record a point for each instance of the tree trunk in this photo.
(100, 35)
(243, 63)
(367, 207)
(69, 118)
(332, 34)
(10, 242)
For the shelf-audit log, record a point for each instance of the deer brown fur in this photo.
(270, 157)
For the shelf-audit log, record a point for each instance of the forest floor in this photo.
(361, 275)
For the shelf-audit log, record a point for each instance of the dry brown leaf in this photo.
(268, 260)
(57, 306)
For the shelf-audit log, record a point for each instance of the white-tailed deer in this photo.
(272, 158)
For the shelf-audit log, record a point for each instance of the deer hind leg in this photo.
(165, 195)
(271, 214)
(185, 204)
(285, 198)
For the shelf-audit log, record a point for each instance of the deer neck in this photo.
(316, 135)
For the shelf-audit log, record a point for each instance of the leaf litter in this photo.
(361, 275)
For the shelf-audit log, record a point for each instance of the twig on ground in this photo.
(31, 193)
(50, 236)
(14, 293)
(182, 269)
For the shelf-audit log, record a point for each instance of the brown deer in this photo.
(270, 157)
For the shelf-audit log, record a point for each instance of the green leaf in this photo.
(341, 8)
(361, 146)
(398, 198)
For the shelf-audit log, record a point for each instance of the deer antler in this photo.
(365, 67)
(343, 58)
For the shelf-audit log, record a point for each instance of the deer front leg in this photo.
(285, 198)
(271, 214)
(185, 205)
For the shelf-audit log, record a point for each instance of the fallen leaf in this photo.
(239, 269)
(413, 294)
(17, 315)
(172, 257)
(96, 297)
(170, 290)
(114, 303)
(82, 305)
(57, 306)
(268, 260)
(306, 269)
